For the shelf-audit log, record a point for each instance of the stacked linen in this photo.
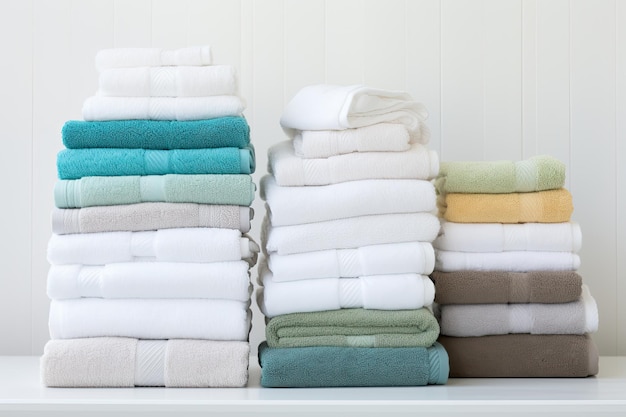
(510, 301)
(149, 280)
(347, 244)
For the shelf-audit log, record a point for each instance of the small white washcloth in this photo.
(309, 204)
(215, 280)
(526, 261)
(152, 57)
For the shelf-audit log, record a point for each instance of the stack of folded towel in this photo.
(347, 243)
(510, 301)
(149, 280)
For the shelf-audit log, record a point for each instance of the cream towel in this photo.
(448, 261)
(152, 57)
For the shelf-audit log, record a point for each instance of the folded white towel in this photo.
(215, 280)
(167, 245)
(152, 57)
(335, 107)
(390, 258)
(418, 163)
(309, 204)
(97, 108)
(526, 261)
(172, 81)
(352, 232)
(150, 318)
(497, 237)
(379, 292)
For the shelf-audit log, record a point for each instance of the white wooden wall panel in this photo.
(620, 164)
(132, 25)
(346, 53)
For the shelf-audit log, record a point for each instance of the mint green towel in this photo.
(308, 367)
(538, 173)
(355, 327)
(107, 191)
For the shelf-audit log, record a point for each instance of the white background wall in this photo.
(502, 79)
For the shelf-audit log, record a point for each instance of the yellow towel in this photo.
(553, 206)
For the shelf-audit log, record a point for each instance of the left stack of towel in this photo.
(149, 280)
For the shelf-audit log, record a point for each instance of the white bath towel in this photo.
(97, 108)
(152, 57)
(379, 292)
(150, 318)
(418, 163)
(173, 81)
(168, 245)
(353, 232)
(526, 261)
(215, 280)
(391, 258)
(309, 204)
(335, 107)
(497, 237)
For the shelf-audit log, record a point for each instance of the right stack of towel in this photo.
(510, 302)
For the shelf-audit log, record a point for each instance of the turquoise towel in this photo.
(77, 163)
(223, 132)
(308, 367)
(106, 191)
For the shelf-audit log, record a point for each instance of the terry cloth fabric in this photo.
(349, 233)
(101, 362)
(334, 107)
(152, 57)
(497, 237)
(538, 173)
(149, 216)
(354, 327)
(325, 366)
(223, 132)
(168, 245)
(150, 318)
(521, 356)
(490, 287)
(97, 108)
(168, 81)
(309, 204)
(172, 188)
(390, 258)
(418, 163)
(449, 261)
(215, 280)
(553, 206)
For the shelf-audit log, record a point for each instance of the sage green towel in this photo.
(354, 327)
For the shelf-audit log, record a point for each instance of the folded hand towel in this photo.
(168, 81)
(161, 108)
(123, 362)
(487, 287)
(168, 245)
(390, 258)
(335, 107)
(215, 280)
(150, 318)
(418, 163)
(449, 261)
(152, 57)
(349, 233)
(497, 237)
(538, 173)
(324, 366)
(553, 206)
(223, 132)
(149, 216)
(521, 356)
(108, 191)
(354, 327)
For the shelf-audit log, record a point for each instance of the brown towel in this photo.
(521, 356)
(502, 287)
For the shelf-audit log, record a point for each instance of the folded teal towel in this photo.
(77, 163)
(307, 367)
(223, 132)
(106, 191)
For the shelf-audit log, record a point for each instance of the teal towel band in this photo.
(157, 162)
(439, 364)
(64, 194)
